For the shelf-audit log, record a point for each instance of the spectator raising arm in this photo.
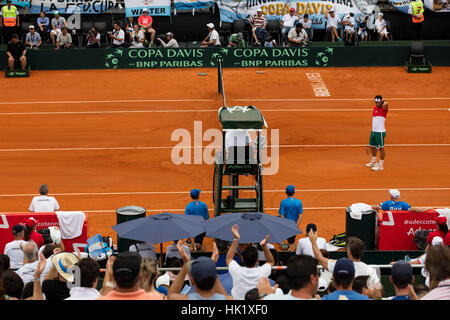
(317, 254)
(234, 245)
(267, 254)
(37, 289)
(108, 281)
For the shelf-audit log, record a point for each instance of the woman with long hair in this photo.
(149, 273)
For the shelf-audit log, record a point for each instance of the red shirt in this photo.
(379, 112)
(145, 20)
(37, 238)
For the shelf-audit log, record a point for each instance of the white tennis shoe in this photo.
(377, 167)
(371, 164)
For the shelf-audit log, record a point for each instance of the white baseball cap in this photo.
(210, 25)
(259, 10)
(437, 241)
(394, 193)
(145, 10)
(163, 280)
(380, 14)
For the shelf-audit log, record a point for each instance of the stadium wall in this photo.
(153, 58)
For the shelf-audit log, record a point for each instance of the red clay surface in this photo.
(106, 113)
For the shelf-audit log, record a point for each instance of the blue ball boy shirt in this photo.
(395, 206)
(197, 208)
(291, 208)
(350, 295)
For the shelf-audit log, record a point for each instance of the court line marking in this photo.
(338, 99)
(337, 109)
(216, 100)
(210, 209)
(210, 191)
(208, 146)
(102, 101)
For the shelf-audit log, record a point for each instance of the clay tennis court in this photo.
(101, 139)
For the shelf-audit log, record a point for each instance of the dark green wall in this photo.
(233, 58)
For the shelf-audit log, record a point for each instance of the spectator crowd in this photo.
(34, 267)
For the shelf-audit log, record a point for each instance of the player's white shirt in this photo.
(379, 119)
(44, 204)
(15, 253)
(304, 246)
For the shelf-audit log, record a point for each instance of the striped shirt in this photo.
(441, 292)
(259, 21)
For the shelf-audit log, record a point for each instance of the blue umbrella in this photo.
(253, 227)
(161, 227)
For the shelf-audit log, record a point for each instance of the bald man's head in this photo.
(30, 251)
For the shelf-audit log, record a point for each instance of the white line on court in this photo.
(204, 110)
(211, 100)
(209, 209)
(208, 146)
(339, 99)
(102, 101)
(209, 191)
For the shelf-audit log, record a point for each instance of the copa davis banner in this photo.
(433, 5)
(72, 6)
(133, 8)
(231, 10)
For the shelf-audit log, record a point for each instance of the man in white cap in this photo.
(258, 20)
(212, 39)
(395, 205)
(380, 26)
(333, 22)
(58, 23)
(145, 22)
(33, 39)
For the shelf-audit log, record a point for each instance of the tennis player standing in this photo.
(378, 133)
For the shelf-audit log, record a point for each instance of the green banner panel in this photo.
(152, 58)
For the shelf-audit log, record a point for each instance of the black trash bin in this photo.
(363, 229)
(125, 214)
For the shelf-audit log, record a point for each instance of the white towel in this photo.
(358, 209)
(445, 212)
(70, 223)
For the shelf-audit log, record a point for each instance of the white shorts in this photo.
(58, 31)
(383, 32)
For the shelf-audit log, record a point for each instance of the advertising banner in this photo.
(205, 57)
(72, 6)
(192, 4)
(133, 8)
(45, 220)
(398, 228)
(17, 3)
(231, 10)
